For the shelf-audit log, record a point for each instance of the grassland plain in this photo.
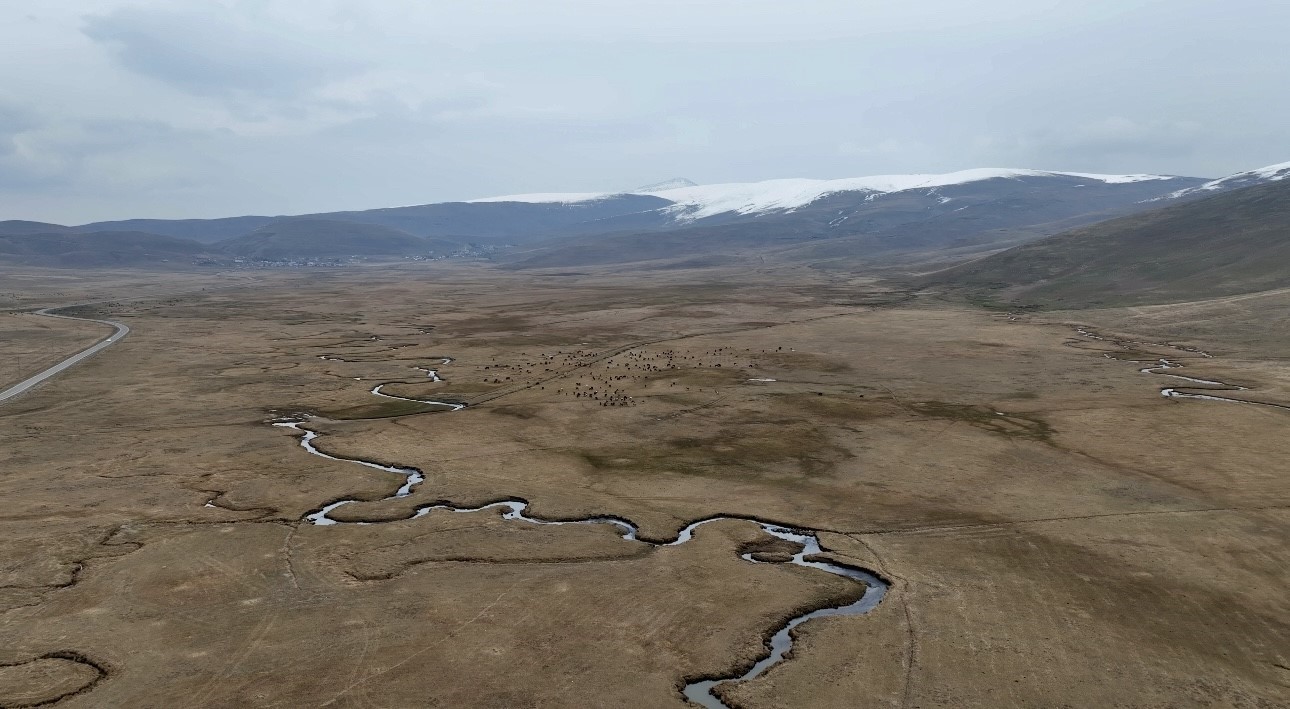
(30, 343)
(1057, 533)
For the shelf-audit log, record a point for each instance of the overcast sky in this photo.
(199, 108)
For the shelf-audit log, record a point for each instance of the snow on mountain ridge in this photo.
(774, 195)
(1280, 171)
(546, 197)
(671, 184)
(1270, 173)
(693, 202)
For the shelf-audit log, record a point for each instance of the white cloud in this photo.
(207, 50)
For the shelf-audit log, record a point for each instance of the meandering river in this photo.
(516, 509)
(1162, 365)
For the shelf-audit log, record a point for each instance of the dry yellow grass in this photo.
(1057, 533)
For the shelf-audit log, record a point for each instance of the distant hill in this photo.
(105, 249)
(206, 231)
(287, 239)
(1234, 242)
(509, 222)
(494, 222)
(19, 227)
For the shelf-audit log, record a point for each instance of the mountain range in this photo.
(845, 223)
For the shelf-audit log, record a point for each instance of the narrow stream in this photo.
(1162, 365)
(782, 641)
(698, 692)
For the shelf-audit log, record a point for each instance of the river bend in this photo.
(1162, 366)
(515, 509)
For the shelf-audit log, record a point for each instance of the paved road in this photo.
(26, 385)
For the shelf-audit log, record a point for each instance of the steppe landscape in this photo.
(1053, 531)
(690, 354)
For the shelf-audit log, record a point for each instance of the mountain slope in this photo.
(502, 222)
(1234, 242)
(206, 231)
(1249, 178)
(98, 250)
(328, 238)
(19, 227)
(506, 222)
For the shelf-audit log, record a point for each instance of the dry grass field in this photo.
(1055, 532)
(30, 343)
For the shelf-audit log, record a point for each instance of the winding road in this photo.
(32, 382)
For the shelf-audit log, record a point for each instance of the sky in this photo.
(205, 108)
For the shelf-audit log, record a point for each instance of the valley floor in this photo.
(1055, 532)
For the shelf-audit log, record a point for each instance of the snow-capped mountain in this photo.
(819, 220)
(701, 201)
(691, 202)
(1271, 173)
(970, 209)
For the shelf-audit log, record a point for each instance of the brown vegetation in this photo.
(1057, 533)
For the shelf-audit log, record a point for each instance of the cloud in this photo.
(43, 152)
(14, 121)
(210, 51)
(1120, 137)
(916, 151)
(1112, 143)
